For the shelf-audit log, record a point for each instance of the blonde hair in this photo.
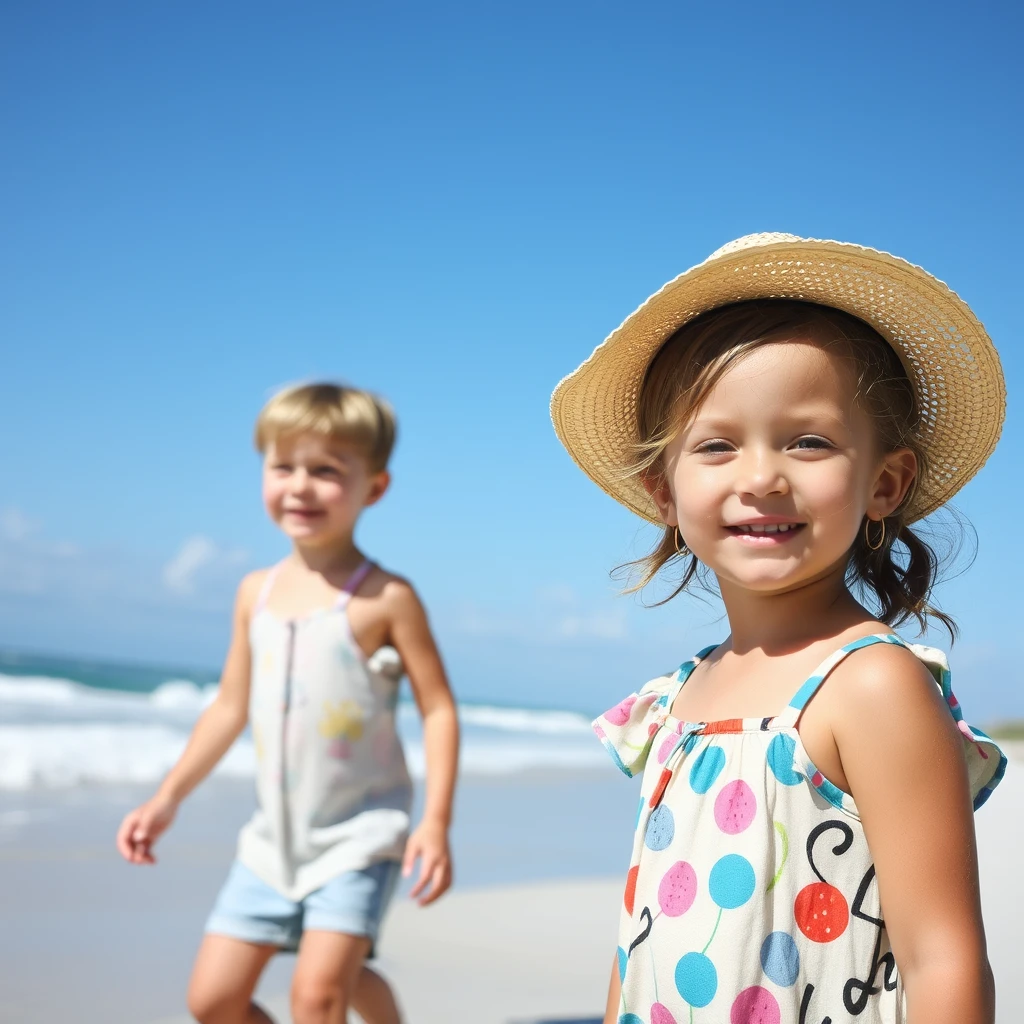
(331, 410)
(693, 360)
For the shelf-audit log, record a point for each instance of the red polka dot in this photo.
(821, 912)
(630, 894)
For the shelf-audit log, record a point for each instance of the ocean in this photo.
(68, 722)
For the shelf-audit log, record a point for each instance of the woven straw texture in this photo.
(947, 354)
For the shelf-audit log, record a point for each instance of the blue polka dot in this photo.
(780, 759)
(706, 768)
(661, 828)
(630, 1018)
(780, 959)
(696, 979)
(621, 953)
(731, 882)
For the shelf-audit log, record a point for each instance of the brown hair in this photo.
(693, 360)
(332, 410)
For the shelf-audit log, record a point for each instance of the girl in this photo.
(319, 645)
(804, 847)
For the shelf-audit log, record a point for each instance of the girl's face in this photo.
(770, 482)
(314, 488)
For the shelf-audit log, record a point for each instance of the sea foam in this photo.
(56, 733)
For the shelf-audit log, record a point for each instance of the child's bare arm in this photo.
(217, 728)
(903, 758)
(411, 636)
(611, 1010)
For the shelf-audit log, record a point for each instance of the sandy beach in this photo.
(526, 936)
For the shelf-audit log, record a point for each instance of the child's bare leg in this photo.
(373, 999)
(326, 973)
(223, 981)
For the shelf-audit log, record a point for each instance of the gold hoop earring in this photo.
(867, 536)
(681, 549)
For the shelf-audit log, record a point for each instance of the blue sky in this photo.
(452, 204)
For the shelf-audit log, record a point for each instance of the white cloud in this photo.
(557, 615)
(597, 624)
(31, 563)
(476, 621)
(15, 526)
(197, 555)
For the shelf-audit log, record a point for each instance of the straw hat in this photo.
(946, 352)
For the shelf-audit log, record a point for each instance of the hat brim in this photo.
(947, 353)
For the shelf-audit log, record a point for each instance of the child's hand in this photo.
(141, 827)
(428, 843)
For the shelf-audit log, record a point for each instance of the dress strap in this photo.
(791, 716)
(684, 673)
(268, 585)
(353, 583)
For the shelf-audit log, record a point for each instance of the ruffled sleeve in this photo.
(986, 763)
(628, 729)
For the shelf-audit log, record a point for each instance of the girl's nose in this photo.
(300, 480)
(761, 474)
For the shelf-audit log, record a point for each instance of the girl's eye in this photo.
(714, 447)
(812, 444)
(326, 471)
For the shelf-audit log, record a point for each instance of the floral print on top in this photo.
(751, 896)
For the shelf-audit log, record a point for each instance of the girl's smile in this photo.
(765, 531)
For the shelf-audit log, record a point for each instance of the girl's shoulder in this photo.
(902, 694)
(252, 588)
(395, 594)
(886, 673)
(879, 669)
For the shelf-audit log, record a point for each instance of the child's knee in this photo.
(317, 1000)
(210, 1005)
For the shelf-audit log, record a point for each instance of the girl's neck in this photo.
(780, 622)
(340, 558)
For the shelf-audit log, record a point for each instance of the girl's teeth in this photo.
(768, 528)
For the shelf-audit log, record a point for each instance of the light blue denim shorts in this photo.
(354, 903)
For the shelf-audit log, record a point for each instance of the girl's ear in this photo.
(894, 480)
(656, 486)
(378, 486)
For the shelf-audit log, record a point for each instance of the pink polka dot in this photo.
(619, 715)
(660, 1014)
(666, 748)
(755, 1005)
(735, 807)
(678, 889)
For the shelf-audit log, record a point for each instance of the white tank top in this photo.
(333, 790)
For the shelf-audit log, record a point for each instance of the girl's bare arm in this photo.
(217, 728)
(611, 1009)
(411, 636)
(903, 758)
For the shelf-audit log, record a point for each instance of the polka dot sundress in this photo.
(751, 896)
